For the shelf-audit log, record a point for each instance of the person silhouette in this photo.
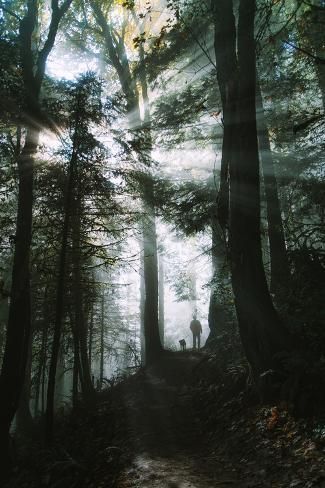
(196, 329)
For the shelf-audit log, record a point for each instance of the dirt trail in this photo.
(163, 434)
(177, 472)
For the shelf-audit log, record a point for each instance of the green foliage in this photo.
(187, 205)
(183, 286)
(11, 83)
(303, 304)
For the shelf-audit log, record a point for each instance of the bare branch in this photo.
(10, 12)
(317, 59)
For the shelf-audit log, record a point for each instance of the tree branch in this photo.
(317, 59)
(8, 11)
(57, 14)
(314, 7)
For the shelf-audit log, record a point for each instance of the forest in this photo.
(162, 258)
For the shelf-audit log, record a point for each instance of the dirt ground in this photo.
(164, 435)
(185, 422)
(180, 471)
(184, 432)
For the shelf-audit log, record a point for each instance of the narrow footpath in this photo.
(163, 433)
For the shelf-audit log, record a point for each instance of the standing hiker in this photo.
(196, 329)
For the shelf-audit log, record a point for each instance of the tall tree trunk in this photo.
(142, 301)
(261, 332)
(76, 361)
(91, 335)
(4, 310)
(24, 419)
(217, 315)
(80, 322)
(161, 299)
(41, 368)
(153, 346)
(225, 51)
(19, 321)
(33, 65)
(42, 357)
(315, 34)
(59, 380)
(60, 291)
(44, 371)
(280, 272)
(75, 375)
(102, 342)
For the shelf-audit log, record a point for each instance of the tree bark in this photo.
(225, 51)
(315, 34)
(76, 363)
(142, 302)
(42, 358)
(24, 419)
(217, 315)
(261, 332)
(102, 343)
(80, 322)
(153, 346)
(280, 272)
(19, 321)
(91, 335)
(43, 385)
(59, 380)
(60, 291)
(161, 299)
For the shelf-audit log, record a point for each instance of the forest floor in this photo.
(164, 435)
(178, 424)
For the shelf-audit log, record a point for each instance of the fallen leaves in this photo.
(273, 419)
(266, 445)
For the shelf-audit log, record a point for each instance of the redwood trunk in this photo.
(279, 261)
(42, 357)
(225, 50)
(102, 345)
(142, 301)
(161, 300)
(24, 419)
(91, 335)
(153, 346)
(19, 321)
(261, 332)
(79, 320)
(217, 315)
(59, 310)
